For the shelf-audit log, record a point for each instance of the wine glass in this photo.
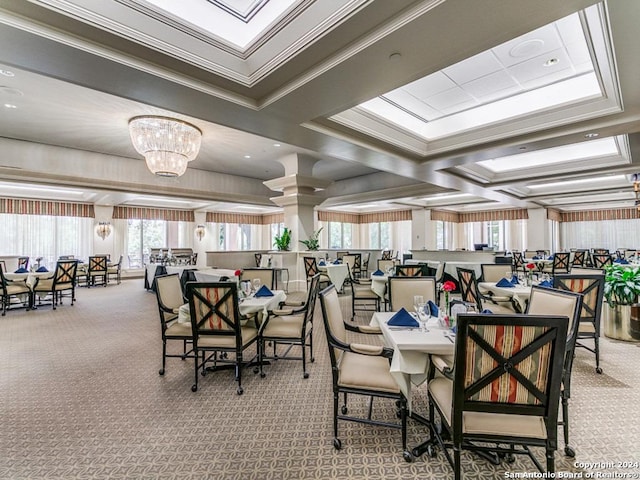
(418, 305)
(246, 288)
(256, 284)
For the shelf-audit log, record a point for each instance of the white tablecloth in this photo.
(29, 277)
(519, 293)
(214, 274)
(336, 273)
(411, 349)
(247, 306)
(379, 284)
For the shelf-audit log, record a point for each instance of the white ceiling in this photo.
(390, 122)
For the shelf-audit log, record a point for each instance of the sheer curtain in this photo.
(45, 236)
(611, 234)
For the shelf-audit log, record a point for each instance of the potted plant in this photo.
(313, 242)
(621, 290)
(282, 241)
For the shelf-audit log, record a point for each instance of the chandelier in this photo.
(103, 230)
(166, 143)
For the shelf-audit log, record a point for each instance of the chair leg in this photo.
(164, 357)
(304, 359)
(551, 463)
(565, 428)
(261, 356)
(239, 390)
(457, 471)
(194, 387)
(336, 441)
(311, 346)
(596, 341)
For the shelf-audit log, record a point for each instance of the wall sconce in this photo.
(103, 230)
(200, 231)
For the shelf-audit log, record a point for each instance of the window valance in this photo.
(600, 215)
(144, 213)
(44, 207)
(243, 218)
(342, 217)
(554, 215)
(445, 216)
(493, 215)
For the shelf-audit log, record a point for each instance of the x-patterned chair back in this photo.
(411, 270)
(170, 299)
(548, 301)
(518, 262)
(591, 286)
(469, 287)
(386, 255)
(560, 263)
(13, 288)
(23, 262)
(505, 387)
(403, 289)
(97, 270)
(310, 266)
(601, 260)
(579, 258)
(215, 321)
(64, 279)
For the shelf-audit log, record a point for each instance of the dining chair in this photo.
(471, 294)
(169, 298)
(350, 260)
(419, 270)
(386, 255)
(403, 289)
(579, 258)
(385, 264)
(548, 301)
(97, 271)
(560, 263)
(601, 260)
(518, 261)
(290, 326)
(362, 297)
(494, 272)
(258, 259)
(359, 369)
(115, 270)
(17, 289)
(502, 395)
(23, 262)
(364, 270)
(217, 330)
(62, 280)
(265, 275)
(340, 254)
(311, 269)
(591, 285)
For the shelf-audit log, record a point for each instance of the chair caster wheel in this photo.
(431, 451)
(337, 444)
(203, 373)
(194, 388)
(599, 370)
(569, 452)
(256, 369)
(313, 360)
(239, 391)
(407, 456)
(344, 410)
(161, 371)
(305, 376)
(510, 458)
(262, 375)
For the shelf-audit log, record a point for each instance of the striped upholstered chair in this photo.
(504, 389)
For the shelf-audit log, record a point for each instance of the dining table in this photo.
(247, 306)
(337, 273)
(30, 277)
(518, 293)
(216, 274)
(379, 284)
(411, 349)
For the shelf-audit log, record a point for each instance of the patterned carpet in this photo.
(81, 398)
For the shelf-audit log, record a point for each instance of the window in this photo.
(142, 236)
(340, 235)
(441, 235)
(235, 236)
(495, 237)
(45, 236)
(380, 235)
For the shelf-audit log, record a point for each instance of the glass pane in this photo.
(374, 235)
(347, 237)
(335, 235)
(385, 235)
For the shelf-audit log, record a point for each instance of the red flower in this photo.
(531, 266)
(238, 273)
(448, 286)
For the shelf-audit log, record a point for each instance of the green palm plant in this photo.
(282, 241)
(313, 242)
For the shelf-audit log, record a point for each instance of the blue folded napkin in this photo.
(402, 318)
(622, 261)
(546, 284)
(503, 282)
(264, 292)
(536, 257)
(42, 269)
(337, 262)
(515, 280)
(434, 311)
(487, 311)
(21, 270)
(321, 263)
(378, 273)
(551, 257)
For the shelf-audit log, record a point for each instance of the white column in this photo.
(538, 230)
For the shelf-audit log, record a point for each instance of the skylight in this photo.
(550, 156)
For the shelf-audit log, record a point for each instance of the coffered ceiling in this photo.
(404, 104)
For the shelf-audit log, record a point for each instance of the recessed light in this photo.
(276, 144)
(522, 148)
(10, 105)
(550, 62)
(395, 56)
(591, 135)
(247, 156)
(7, 73)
